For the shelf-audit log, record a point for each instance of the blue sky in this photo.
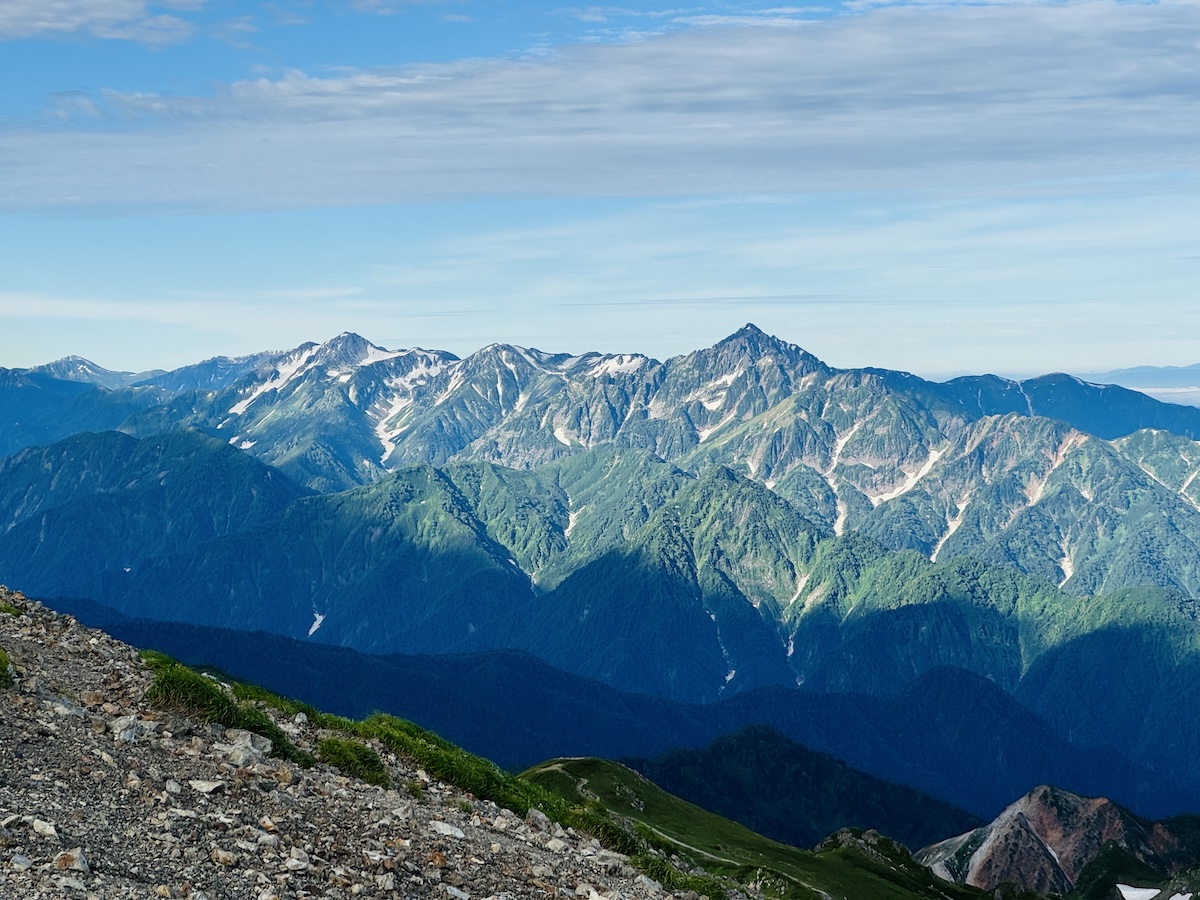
(938, 187)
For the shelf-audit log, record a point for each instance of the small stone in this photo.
(300, 719)
(72, 859)
(297, 860)
(457, 893)
(447, 829)
(206, 787)
(267, 825)
(537, 820)
(649, 884)
(222, 857)
(20, 862)
(386, 882)
(45, 829)
(554, 845)
(126, 729)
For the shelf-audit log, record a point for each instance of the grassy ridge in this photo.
(859, 865)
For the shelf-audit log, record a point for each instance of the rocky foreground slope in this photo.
(104, 796)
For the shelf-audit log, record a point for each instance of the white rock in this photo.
(45, 829)
(206, 787)
(447, 829)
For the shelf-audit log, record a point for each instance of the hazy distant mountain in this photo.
(1149, 376)
(1170, 384)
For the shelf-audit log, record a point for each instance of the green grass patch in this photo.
(664, 822)
(252, 693)
(355, 759)
(9, 609)
(6, 680)
(177, 688)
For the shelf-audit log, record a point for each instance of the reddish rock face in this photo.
(1045, 839)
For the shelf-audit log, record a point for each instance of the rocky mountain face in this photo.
(1030, 474)
(1047, 839)
(104, 795)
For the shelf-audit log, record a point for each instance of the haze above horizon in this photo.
(940, 188)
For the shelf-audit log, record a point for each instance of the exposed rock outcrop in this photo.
(1045, 840)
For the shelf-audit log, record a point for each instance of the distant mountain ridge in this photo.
(1035, 474)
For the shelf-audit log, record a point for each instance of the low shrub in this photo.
(6, 679)
(176, 688)
(355, 759)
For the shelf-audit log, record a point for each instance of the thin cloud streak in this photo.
(130, 20)
(893, 98)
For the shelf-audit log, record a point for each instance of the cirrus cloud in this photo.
(895, 98)
(134, 20)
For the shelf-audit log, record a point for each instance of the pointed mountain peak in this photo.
(751, 343)
(350, 349)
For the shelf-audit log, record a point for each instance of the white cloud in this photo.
(134, 20)
(890, 98)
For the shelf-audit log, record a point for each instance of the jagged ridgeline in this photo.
(741, 518)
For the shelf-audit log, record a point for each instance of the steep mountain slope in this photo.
(609, 564)
(974, 466)
(38, 409)
(79, 515)
(1045, 840)
(783, 790)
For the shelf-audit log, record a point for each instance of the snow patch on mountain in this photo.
(705, 433)
(284, 373)
(952, 525)
(1137, 893)
(618, 365)
(318, 618)
(387, 434)
(1066, 564)
(911, 481)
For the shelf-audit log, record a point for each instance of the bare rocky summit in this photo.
(104, 796)
(1046, 840)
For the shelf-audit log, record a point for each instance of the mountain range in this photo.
(728, 525)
